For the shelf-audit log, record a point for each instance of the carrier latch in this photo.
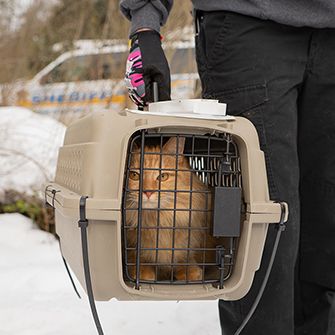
(227, 211)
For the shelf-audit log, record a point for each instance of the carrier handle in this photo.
(155, 91)
(155, 94)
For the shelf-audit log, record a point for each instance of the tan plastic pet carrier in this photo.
(172, 203)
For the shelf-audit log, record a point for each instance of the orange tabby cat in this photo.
(181, 229)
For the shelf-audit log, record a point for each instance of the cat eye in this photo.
(134, 175)
(163, 176)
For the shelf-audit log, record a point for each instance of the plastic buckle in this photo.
(281, 225)
(83, 222)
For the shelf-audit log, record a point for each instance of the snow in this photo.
(36, 296)
(29, 145)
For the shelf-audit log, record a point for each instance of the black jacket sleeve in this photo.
(150, 14)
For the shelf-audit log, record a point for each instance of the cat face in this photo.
(160, 178)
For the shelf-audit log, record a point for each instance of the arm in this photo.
(146, 62)
(149, 14)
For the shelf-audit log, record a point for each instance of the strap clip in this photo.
(281, 225)
(83, 222)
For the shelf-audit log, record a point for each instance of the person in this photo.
(272, 62)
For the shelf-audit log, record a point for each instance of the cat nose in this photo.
(148, 194)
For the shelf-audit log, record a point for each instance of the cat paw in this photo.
(146, 273)
(193, 273)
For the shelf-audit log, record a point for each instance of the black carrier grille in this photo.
(177, 227)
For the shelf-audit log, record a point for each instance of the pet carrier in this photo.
(174, 200)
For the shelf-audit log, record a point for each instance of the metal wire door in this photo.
(169, 208)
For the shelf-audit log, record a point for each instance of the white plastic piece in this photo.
(198, 106)
(189, 108)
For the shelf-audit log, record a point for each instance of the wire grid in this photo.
(158, 247)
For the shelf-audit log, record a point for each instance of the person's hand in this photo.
(146, 64)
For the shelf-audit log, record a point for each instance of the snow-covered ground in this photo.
(29, 145)
(36, 297)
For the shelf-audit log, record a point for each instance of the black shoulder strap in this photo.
(83, 224)
(68, 271)
(281, 227)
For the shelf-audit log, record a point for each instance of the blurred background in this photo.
(29, 29)
(67, 57)
(60, 60)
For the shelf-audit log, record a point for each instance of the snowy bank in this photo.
(36, 297)
(29, 145)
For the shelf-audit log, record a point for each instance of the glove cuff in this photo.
(151, 35)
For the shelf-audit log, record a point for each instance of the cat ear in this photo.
(171, 145)
(135, 147)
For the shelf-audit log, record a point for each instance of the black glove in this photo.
(147, 64)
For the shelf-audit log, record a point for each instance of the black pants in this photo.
(282, 78)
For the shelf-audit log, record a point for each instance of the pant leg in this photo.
(257, 67)
(317, 165)
(318, 310)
